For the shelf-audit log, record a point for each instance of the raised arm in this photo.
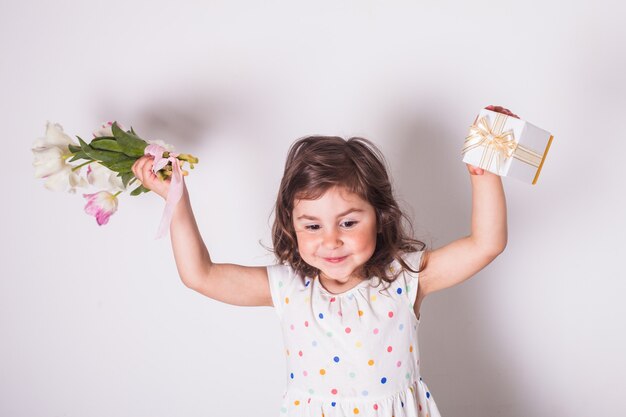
(228, 283)
(461, 259)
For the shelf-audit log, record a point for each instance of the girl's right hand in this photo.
(142, 168)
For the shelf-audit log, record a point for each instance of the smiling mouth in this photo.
(335, 260)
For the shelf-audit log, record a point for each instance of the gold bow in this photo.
(495, 142)
(492, 139)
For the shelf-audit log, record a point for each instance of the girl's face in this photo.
(336, 234)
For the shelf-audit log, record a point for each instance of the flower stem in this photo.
(116, 194)
(81, 165)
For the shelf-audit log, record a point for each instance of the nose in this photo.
(331, 239)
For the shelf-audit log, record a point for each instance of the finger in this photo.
(137, 167)
(140, 168)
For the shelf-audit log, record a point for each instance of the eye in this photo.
(312, 227)
(350, 223)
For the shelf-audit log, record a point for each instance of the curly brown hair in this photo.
(315, 164)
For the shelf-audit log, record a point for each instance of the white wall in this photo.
(94, 321)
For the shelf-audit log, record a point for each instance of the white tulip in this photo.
(168, 147)
(106, 130)
(103, 178)
(50, 154)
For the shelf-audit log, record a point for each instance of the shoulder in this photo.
(284, 281)
(407, 280)
(413, 260)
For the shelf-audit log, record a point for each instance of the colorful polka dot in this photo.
(296, 402)
(370, 362)
(400, 327)
(314, 343)
(305, 373)
(291, 375)
(322, 371)
(333, 403)
(358, 344)
(286, 300)
(411, 348)
(365, 393)
(329, 334)
(383, 380)
(333, 391)
(389, 348)
(300, 353)
(373, 298)
(376, 331)
(306, 323)
(336, 359)
(321, 316)
(399, 363)
(306, 284)
(360, 313)
(352, 374)
(427, 394)
(348, 330)
(399, 290)
(375, 406)
(292, 327)
(333, 299)
(390, 314)
(356, 411)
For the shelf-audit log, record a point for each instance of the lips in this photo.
(335, 260)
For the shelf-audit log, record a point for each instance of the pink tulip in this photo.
(101, 205)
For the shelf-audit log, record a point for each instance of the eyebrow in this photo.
(352, 210)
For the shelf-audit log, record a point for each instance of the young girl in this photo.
(350, 280)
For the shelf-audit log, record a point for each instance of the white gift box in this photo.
(506, 146)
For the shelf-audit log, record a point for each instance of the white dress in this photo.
(353, 353)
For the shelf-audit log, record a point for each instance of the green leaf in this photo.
(122, 166)
(139, 190)
(131, 144)
(73, 148)
(107, 144)
(99, 155)
(79, 155)
(126, 177)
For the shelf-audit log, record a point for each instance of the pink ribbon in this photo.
(175, 191)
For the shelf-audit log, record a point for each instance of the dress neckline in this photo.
(346, 292)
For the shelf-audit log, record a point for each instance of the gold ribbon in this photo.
(496, 143)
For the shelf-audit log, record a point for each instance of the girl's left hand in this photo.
(479, 171)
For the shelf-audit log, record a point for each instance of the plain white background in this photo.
(94, 321)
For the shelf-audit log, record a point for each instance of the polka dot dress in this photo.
(354, 353)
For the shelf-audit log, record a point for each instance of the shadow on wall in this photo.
(182, 119)
(188, 115)
(436, 188)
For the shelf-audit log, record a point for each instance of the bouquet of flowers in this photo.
(109, 158)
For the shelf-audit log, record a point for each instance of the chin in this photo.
(340, 274)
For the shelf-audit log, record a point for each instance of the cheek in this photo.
(305, 243)
(365, 240)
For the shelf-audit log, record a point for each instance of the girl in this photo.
(350, 280)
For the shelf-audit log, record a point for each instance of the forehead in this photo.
(335, 199)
